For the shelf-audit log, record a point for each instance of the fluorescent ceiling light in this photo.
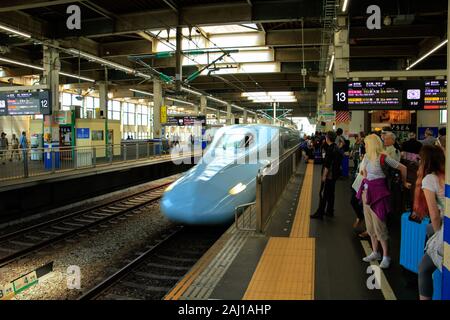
(180, 101)
(191, 91)
(102, 61)
(76, 77)
(14, 31)
(21, 64)
(217, 100)
(345, 5)
(42, 69)
(142, 92)
(237, 107)
(428, 53)
(331, 63)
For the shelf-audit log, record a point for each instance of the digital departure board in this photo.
(435, 94)
(25, 103)
(185, 120)
(378, 95)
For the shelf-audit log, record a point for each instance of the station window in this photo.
(66, 101)
(113, 109)
(128, 114)
(443, 116)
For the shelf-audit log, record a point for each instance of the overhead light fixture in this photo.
(191, 91)
(217, 100)
(443, 43)
(180, 101)
(142, 92)
(331, 63)
(345, 5)
(23, 64)
(14, 31)
(237, 107)
(102, 61)
(76, 77)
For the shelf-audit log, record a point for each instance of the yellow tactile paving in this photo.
(285, 271)
(300, 227)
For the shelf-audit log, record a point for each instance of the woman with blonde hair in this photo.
(375, 194)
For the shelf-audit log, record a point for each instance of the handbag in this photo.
(435, 248)
(358, 181)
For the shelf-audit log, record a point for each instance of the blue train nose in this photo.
(196, 205)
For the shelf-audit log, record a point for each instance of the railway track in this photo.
(154, 272)
(21, 243)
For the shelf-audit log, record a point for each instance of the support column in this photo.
(203, 104)
(52, 66)
(342, 48)
(245, 117)
(178, 57)
(229, 116)
(218, 116)
(446, 226)
(274, 112)
(157, 103)
(103, 95)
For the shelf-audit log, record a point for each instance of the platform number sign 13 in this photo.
(340, 97)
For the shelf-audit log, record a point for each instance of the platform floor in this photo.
(302, 259)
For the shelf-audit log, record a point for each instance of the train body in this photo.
(226, 175)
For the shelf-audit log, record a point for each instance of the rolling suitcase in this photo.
(318, 157)
(437, 285)
(412, 243)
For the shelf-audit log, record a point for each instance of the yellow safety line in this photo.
(184, 284)
(300, 227)
(285, 271)
(386, 288)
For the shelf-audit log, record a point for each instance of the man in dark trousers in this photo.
(330, 173)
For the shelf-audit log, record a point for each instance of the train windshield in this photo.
(237, 140)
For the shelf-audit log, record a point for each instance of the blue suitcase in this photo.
(412, 243)
(437, 285)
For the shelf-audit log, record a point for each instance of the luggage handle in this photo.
(414, 218)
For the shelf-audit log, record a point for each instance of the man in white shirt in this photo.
(389, 145)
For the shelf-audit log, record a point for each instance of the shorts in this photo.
(374, 226)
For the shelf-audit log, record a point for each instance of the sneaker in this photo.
(385, 263)
(372, 257)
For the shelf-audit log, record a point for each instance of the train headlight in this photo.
(237, 189)
(170, 187)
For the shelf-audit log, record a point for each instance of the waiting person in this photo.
(23, 144)
(357, 152)
(410, 158)
(330, 173)
(389, 145)
(429, 138)
(340, 142)
(375, 197)
(14, 147)
(430, 200)
(411, 146)
(3, 147)
(441, 140)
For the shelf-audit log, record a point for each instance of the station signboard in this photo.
(378, 95)
(435, 94)
(185, 120)
(25, 103)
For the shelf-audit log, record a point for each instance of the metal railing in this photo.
(271, 182)
(24, 163)
(244, 217)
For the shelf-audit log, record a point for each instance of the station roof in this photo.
(267, 42)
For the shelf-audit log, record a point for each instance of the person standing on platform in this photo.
(14, 147)
(389, 145)
(3, 147)
(429, 138)
(441, 140)
(375, 196)
(23, 144)
(410, 158)
(430, 200)
(331, 171)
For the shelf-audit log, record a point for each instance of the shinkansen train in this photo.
(226, 175)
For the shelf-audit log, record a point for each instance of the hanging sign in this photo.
(163, 114)
(25, 103)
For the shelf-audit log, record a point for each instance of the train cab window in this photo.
(236, 141)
